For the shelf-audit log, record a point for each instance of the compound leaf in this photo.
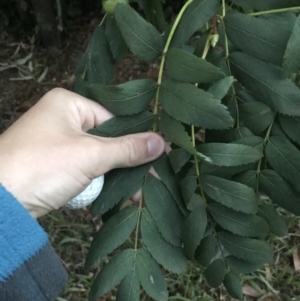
(267, 82)
(237, 222)
(231, 194)
(253, 250)
(125, 99)
(186, 67)
(215, 273)
(233, 285)
(171, 258)
(141, 37)
(161, 204)
(129, 289)
(291, 125)
(193, 230)
(150, 276)
(111, 235)
(112, 274)
(191, 105)
(229, 154)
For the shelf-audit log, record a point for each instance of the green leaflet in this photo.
(291, 63)
(191, 105)
(124, 125)
(171, 258)
(284, 157)
(96, 65)
(163, 168)
(129, 289)
(206, 251)
(235, 134)
(267, 82)
(150, 276)
(116, 42)
(159, 14)
(188, 186)
(215, 273)
(221, 87)
(277, 224)
(195, 201)
(161, 204)
(253, 250)
(279, 191)
(259, 37)
(125, 99)
(291, 125)
(196, 15)
(248, 178)
(186, 67)
(229, 154)
(141, 37)
(112, 274)
(118, 183)
(256, 116)
(242, 266)
(174, 131)
(193, 230)
(286, 19)
(266, 5)
(231, 194)
(278, 131)
(233, 285)
(253, 141)
(178, 157)
(111, 235)
(237, 222)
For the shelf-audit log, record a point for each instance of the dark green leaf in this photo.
(174, 131)
(111, 235)
(171, 258)
(112, 274)
(286, 19)
(206, 251)
(129, 289)
(253, 141)
(116, 42)
(159, 14)
(188, 186)
(266, 5)
(197, 14)
(163, 168)
(231, 194)
(291, 63)
(256, 116)
(284, 157)
(215, 273)
(267, 82)
(150, 276)
(253, 250)
(195, 201)
(96, 66)
(237, 222)
(125, 99)
(242, 266)
(279, 191)
(258, 37)
(248, 178)
(233, 285)
(124, 125)
(178, 157)
(291, 126)
(161, 204)
(235, 134)
(277, 224)
(117, 184)
(191, 105)
(186, 67)
(229, 154)
(193, 230)
(141, 37)
(278, 131)
(220, 88)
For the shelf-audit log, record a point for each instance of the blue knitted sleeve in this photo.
(29, 267)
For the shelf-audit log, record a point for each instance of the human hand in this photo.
(47, 158)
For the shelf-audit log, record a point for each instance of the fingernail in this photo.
(155, 146)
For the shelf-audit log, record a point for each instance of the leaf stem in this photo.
(103, 19)
(162, 64)
(275, 11)
(138, 223)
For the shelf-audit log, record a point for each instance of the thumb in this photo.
(132, 150)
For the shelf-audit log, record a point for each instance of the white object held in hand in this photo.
(87, 196)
